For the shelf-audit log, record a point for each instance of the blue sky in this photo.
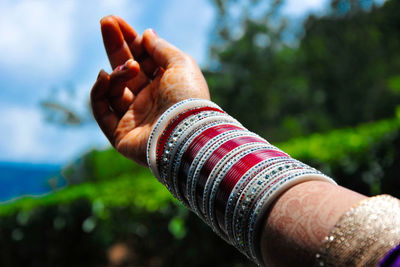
(46, 44)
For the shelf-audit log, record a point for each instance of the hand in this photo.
(149, 76)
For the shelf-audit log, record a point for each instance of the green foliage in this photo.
(349, 57)
(253, 75)
(337, 144)
(101, 165)
(140, 191)
(394, 83)
(177, 227)
(84, 221)
(342, 73)
(362, 158)
(131, 208)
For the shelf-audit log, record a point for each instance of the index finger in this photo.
(133, 40)
(117, 49)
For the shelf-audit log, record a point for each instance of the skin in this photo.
(127, 103)
(149, 76)
(300, 219)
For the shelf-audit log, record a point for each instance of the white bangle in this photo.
(163, 121)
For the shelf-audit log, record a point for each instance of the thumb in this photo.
(163, 53)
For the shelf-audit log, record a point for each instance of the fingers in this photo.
(117, 49)
(123, 73)
(163, 53)
(135, 44)
(122, 43)
(120, 96)
(131, 37)
(110, 99)
(105, 117)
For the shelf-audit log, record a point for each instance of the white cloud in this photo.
(25, 137)
(36, 35)
(45, 37)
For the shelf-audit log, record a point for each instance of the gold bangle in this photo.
(363, 235)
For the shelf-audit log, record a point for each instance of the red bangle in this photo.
(167, 132)
(215, 157)
(233, 176)
(195, 147)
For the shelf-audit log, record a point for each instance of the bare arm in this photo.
(300, 219)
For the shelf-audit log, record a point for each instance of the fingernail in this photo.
(120, 68)
(123, 66)
(154, 32)
(127, 62)
(105, 17)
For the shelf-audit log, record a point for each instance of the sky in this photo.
(47, 45)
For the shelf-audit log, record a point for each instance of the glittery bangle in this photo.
(173, 140)
(162, 121)
(234, 175)
(221, 149)
(252, 194)
(209, 157)
(253, 179)
(363, 235)
(210, 175)
(196, 145)
(184, 143)
(215, 179)
(180, 132)
(166, 134)
(174, 165)
(201, 158)
(185, 160)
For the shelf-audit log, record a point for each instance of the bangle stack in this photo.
(227, 175)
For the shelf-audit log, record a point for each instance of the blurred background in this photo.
(318, 78)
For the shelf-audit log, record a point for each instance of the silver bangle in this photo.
(201, 158)
(216, 177)
(184, 142)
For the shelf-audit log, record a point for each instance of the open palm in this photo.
(149, 76)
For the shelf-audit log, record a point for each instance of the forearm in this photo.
(274, 209)
(300, 219)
